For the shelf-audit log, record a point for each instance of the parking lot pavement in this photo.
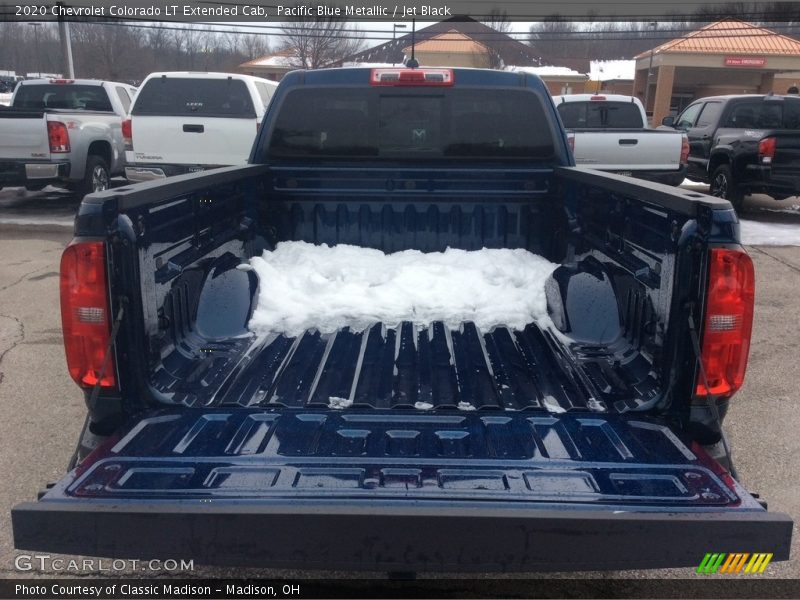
(41, 410)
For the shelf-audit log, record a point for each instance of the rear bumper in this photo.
(391, 536)
(674, 178)
(764, 179)
(23, 172)
(142, 172)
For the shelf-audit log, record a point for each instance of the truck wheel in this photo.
(95, 178)
(723, 186)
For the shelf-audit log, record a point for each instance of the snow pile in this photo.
(546, 70)
(303, 286)
(610, 70)
(756, 233)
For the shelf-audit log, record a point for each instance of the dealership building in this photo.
(726, 57)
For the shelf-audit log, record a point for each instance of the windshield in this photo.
(597, 114)
(397, 123)
(66, 96)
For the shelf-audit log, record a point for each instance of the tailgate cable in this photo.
(711, 403)
(107, 357)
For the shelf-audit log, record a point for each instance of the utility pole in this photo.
(66, 45)
(395, 27)
(38, 50)
(652, 24)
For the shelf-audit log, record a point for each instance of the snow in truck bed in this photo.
(304, 286)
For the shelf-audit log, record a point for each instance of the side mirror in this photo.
(668, 121)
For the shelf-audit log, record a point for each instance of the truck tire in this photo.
(723, 186)
(96, 177)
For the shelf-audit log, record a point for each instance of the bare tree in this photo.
(499, 21)
(312, 44)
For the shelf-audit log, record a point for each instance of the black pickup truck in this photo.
(593, 443)
(743, 145)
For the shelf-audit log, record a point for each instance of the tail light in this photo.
(411, 77)
(84, 314)
(62, 81)
(58, 136)
(597, 98)
(571, 142)
(127, 134)
(728, 323)
(684, 150)
(766, 150)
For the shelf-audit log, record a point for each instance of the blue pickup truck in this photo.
(596, 443)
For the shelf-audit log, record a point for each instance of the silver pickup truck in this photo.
(64, 132)
(608, 132)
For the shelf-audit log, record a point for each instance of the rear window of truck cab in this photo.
(598, 114)
(402, 124)
(769, 113)
(62, 96)
(194, 96)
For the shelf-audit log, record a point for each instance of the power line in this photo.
(543, 36)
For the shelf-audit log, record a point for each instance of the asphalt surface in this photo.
(42, 411)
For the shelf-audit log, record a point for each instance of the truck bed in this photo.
(407, 368)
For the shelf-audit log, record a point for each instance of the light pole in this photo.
(38, 54)
(654, 25)
(395, 27)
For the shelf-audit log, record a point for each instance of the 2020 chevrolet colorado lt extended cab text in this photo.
(592, 443)
(64, 132)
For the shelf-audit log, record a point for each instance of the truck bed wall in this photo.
(611, 296)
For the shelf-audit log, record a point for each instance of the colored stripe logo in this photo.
(736, 562)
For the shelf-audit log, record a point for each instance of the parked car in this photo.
(64, 132)
(608, 132)
(183, 122)
(594, 442)
(743, 144)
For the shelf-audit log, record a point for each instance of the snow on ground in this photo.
(757, 233)
(303, 286)
(760, 233)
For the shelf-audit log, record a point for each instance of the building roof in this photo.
(548, 71)
(450, 41)
(612, 70)
(730, 36)
(507, 49)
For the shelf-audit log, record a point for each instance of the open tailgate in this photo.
(415, 491)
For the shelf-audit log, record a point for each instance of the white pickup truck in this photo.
(64, 132)
(608, 132)
(183, 122)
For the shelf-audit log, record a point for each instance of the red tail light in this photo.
(728, 322)
(58, 136)
(596, 98)
(62, 81)
(127, 134)
(766, 150)
(571, 142)
(84, 314)
(403, 77)
(684, 150)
